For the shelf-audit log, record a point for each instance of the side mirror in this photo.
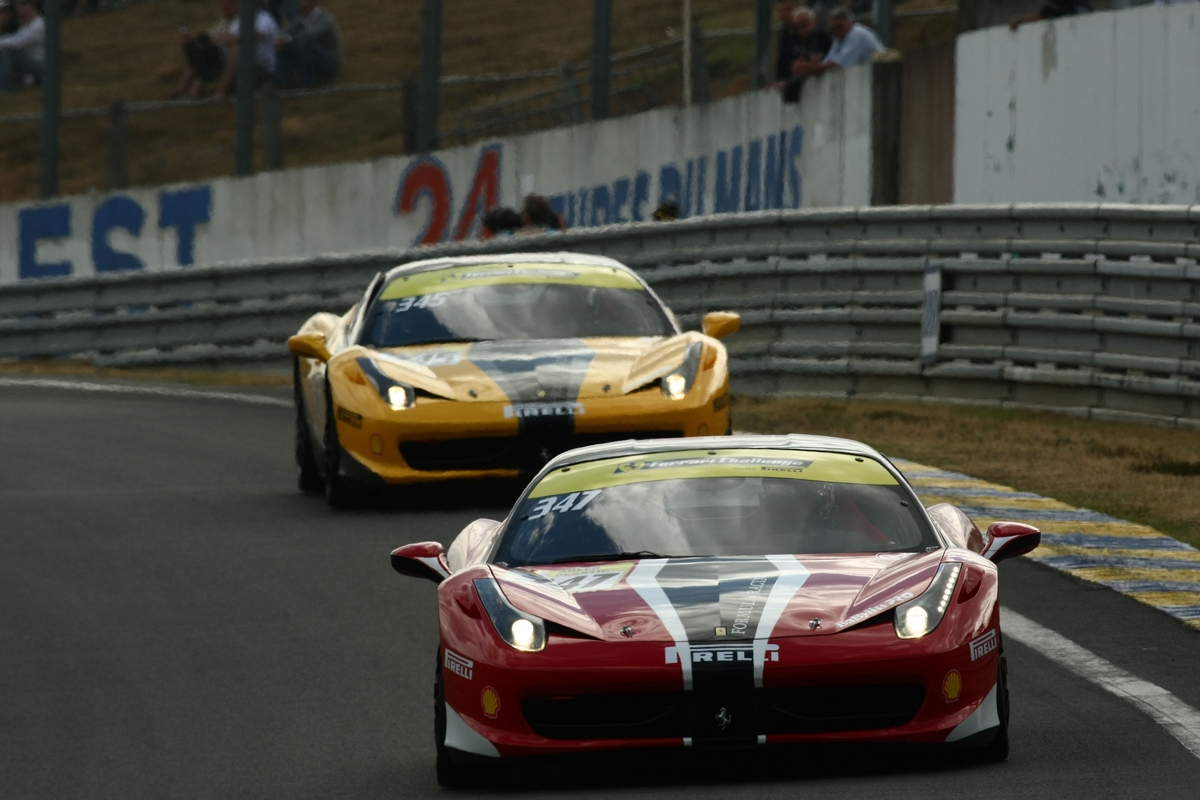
(309, 345)
(1010, 539)
(719, 324)
(422, 560)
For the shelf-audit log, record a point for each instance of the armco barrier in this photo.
(1089, 309)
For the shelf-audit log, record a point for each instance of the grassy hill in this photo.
(132, 53)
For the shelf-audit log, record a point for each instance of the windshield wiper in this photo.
(612, 557)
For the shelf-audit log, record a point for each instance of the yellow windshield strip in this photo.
(445, 280)
(804, 465)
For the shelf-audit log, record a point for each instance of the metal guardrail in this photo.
(1089, 309)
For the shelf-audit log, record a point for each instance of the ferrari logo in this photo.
(952, 686)
(724, 718)
(490, 700)
(630, 466)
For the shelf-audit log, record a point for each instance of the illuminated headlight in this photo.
(398, 395)
(401, 397)
(679, 382)
(675, 386)
(520, 630)
(921, 616)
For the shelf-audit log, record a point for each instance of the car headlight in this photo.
(920, 617)
(398, 395)
(520, 630)
(678, 382)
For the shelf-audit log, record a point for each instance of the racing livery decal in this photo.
(462, 667)
(983, 645)
(952, 686)
(739, 600)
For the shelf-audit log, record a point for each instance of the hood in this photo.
(719, 600)
(539, 371)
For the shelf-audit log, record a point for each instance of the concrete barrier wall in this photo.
(746, 153)
(1099, 108)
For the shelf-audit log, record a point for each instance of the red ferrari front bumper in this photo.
(581, 695)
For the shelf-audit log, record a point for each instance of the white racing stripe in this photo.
(1177, 717)
(156, 391)
(792, 575)
(644, 580)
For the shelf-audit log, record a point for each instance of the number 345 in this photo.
(421, 301)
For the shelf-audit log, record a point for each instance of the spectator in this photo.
(538, 217)
(787, 40)
(23, 52)
(310, 49)
(8, 21)
(667, 211)
(1053, 10)
(501, 221)
(852, 45)
(204, 56)
(811, 46)
(284, 11)
(265, 34)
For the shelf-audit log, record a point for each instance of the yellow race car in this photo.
(489, 366)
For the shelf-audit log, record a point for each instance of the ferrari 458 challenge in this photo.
(721, 591)
(487, 367)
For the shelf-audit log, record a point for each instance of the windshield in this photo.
(498, 303)
(795, 503)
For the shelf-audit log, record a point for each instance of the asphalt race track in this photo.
(176, 620)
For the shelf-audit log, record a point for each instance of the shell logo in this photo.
(490, 700)
(952, 686)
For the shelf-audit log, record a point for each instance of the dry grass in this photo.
(1143, 474)
(133, 53)
(83, 369)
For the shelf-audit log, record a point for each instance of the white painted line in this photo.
(158, 391)
(1177, 717)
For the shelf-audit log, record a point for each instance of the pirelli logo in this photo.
(983, 645)
(462, 667)
(349, 417)
(527, 410)
(709, 653)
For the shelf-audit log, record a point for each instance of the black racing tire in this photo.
(452, 773)
(996, 750)
(338, 492)
(309, 477)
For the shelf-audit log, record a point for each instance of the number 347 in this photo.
(572, 502)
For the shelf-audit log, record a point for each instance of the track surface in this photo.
(177, 621)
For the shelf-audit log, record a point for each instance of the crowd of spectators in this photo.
(535, 216)
(297, 44)
(22, 45)
(814, 40)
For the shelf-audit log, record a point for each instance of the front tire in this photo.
(451, 773)
(309, 474)
(338, 492)
(996, 750)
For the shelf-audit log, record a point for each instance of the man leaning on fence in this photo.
(853, 44)
(309, 51)
(23, 53)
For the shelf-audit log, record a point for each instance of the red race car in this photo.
(745, 590)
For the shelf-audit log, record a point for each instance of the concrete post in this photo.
(247, 80)
(431, 73)
(885, 132)
(601, 55)
(883, 13)
(760, 74)
(51, 101)
(118, 146)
